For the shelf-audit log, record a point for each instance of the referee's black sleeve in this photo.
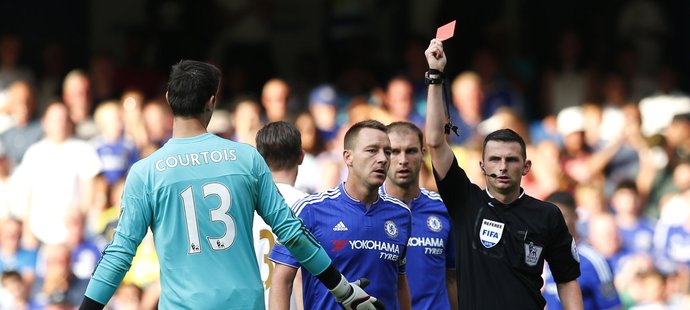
(563, 257)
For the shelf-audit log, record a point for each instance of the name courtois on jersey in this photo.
(195, 159)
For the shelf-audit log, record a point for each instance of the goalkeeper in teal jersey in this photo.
(198, 194)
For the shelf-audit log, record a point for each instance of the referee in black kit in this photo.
(503, 234)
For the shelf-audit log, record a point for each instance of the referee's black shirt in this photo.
(501, 248)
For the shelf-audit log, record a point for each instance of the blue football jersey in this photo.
(638, 239)
(596, 283)
(430, 251)
(671, 246)
(198, 195)
(362, 243)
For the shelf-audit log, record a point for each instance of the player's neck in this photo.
(406, 194)
(285, 176)
(187, 127)
(361, 192)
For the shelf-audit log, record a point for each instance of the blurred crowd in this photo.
(617, 137)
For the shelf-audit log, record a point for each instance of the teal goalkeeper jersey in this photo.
(198, 195)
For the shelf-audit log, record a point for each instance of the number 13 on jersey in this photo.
(219, 213)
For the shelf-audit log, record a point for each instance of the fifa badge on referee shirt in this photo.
(532, 253)
(490, 233)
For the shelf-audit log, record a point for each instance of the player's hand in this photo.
(435, 56)
(351, 296)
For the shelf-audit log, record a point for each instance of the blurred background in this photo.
(313, 41)
(598, 89)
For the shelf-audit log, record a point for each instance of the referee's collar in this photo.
(494, 202)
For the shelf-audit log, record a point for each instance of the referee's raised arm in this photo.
(439, 149)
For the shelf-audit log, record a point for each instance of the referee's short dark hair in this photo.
(280, 144)
(506, 135)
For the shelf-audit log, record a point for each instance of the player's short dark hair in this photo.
(402, 126)
(505, 135)
(280, 143)
(190, 86)
(351, 134)
(562, 198)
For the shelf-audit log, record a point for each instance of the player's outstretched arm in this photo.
(439, 149)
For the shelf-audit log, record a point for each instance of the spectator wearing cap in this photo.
(323, 105)
(579, 161)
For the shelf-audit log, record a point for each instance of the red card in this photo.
(446, 31)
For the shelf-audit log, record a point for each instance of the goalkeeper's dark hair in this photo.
(191, 85)
(280, 144)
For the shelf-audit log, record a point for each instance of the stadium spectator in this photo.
(116, 151)
(246, 120)
(76, 94)
(611, 247)
(56, 174)
(274, 99)
(596, 281)
(323, 105)
(84, 253)
(313, 146)
(399, 101)
(158, 122)
(26, 129)
(56, 284)
(14, 292)
(468, 99)
(635, 230)
(14, 256)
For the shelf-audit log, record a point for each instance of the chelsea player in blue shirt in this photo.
(596, 281)
(365, 233)
(430, 261)
(198, 194)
